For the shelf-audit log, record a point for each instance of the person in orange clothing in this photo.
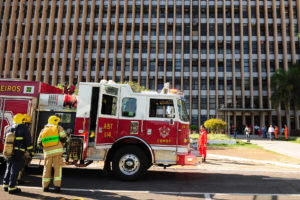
(202, 143)
(276, 132)
(286, 132)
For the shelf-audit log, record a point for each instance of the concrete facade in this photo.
(221, 53)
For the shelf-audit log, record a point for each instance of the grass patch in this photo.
(239, 143)
(291, 139)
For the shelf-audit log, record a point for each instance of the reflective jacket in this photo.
(57, 149)
(22, 141)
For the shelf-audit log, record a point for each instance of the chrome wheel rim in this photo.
(129, 164)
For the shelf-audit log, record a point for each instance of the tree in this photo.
(215, 124)
(286, 87)
(194, 128)
(135, 86)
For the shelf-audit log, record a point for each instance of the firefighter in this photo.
(286, 132)
(27, 122)
(15, 163)
(276, 132)
(52, 138)
(202, 143)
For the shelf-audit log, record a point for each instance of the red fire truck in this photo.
(130, 131)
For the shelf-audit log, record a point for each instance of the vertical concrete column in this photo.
(90, 47)
(100, 22)
(148, 43)
(267, 58)
(57, 42)
(199, 63)
(106, 58)
(33, 42)
(276, 55)
(49, 42)
(124, 41)
(116, 41)
(10, 39)
(26, 39)
(207, 59)
(216, 60)
(141, 41)
(5, 24)
(242, 60)
(191, 58)
(132, 41)
(74, 43)
(41, 44)
(283, 33)
(250, 53)
(174, 44)
(224, 55)
(259, 41)
(182, 45)
(166, 39)
(233, 61)
(66, 42)
(252, 121)
(157, 45)
(18, 40)
(82, 42)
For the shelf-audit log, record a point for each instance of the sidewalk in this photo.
(281, 147)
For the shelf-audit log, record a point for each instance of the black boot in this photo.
(56, 189)
(14, 191)
(46, 189)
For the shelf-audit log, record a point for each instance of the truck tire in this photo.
(129, 163)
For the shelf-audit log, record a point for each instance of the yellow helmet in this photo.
(19, 118)
(53, 120)
(27, 118)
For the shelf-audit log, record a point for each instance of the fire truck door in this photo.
(107, 124)
(10, 107)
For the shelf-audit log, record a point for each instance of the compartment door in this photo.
(10, 107)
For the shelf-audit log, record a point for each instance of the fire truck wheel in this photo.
(129, 163)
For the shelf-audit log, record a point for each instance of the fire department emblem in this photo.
(164, 131)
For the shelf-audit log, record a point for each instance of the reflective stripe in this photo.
(60, 150)
(62, 133)
(58, 178)
(31, 147)
(46, 179)
(4, 185)
(19, 138)
(20, 149)
(14, 188)
(50, 139)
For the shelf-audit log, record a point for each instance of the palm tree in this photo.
(286, 87)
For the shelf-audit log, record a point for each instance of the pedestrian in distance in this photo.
(202, 142)
(52, 138)
(20, 141)
(247, 131)
(276, 130)
(271, 131)
(235, 133)
(286, 132)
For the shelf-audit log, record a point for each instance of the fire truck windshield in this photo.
(182, 111)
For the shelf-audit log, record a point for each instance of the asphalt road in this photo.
(180, 183)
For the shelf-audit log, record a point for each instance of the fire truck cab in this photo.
(132, 131)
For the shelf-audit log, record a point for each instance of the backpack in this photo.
(9, 143)
(50, 136)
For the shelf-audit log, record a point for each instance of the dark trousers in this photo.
(13, 167)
